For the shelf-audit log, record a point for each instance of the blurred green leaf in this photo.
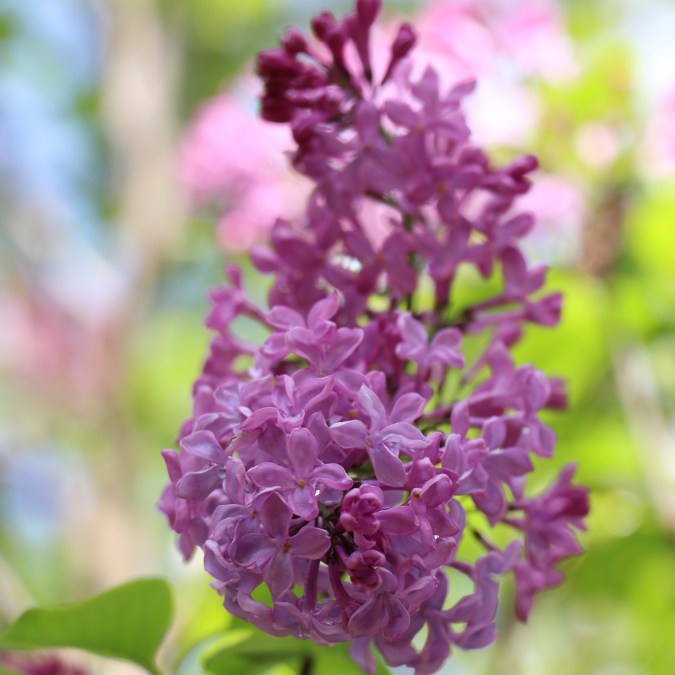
(6, 27)
(649, 230)
(127, 622)
(577, 348)
(168, 353)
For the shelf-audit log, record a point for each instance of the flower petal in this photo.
(269, 474)
(322, 312)
(332, 475)
(408, 408)
(253, 549)
(370, 618)
(310, 542)
(275, 516)
(387, 466)
(198, 485)
(373, 406)
(204, 444)
(397, 520)
(351, 434)
(303, 451)
(278, 574)
(399, 619)
(437, 491)
(303, 502)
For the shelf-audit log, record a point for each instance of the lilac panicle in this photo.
(341, 462)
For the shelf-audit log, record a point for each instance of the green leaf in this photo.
(127, 622)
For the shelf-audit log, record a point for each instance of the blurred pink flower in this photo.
(658, 147)
(233, 160)
(561, 209)
(54, 351)
(533, 33)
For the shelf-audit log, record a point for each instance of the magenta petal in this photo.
(302, 451)
(407, 353)
(401, 114)
(405, 435)
(323, 311)
(284, 318)
(373, 406)
(397, 520)
(408, 408)
(368, 122)
(259, 418)
(275, 516)
(303, 502)
(437, 491)
(268, 474)
(172, 462)
(235, 480)
(332, 475)
(341, 347)
(198, 485)
(304, 343)
(388, 468)
(350, 434)
(360, 650)
(278, 574)
(252, 548)
(412, 331)
(311, 542)
(445, 348)
(204, 444)
(399, 620)
(460, 420)
(370, 618)
(494, 432)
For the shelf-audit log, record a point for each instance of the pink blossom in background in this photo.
(561, 207)
(658, 147)
(533, 33)
(234, 161)
(46, 346)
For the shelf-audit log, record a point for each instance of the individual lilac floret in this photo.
(385, 435)
(301, 483)
(341, 462)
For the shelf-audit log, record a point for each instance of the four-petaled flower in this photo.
(302, 481)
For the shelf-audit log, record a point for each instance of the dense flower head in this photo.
(340, 476)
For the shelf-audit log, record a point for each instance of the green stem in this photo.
(307, 666)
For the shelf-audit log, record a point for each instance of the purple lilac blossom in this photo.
(343, 462)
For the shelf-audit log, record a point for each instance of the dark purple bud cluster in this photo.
(343, 461)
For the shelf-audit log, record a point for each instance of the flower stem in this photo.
(307, 666)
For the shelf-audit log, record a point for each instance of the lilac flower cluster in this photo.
(343, 462)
